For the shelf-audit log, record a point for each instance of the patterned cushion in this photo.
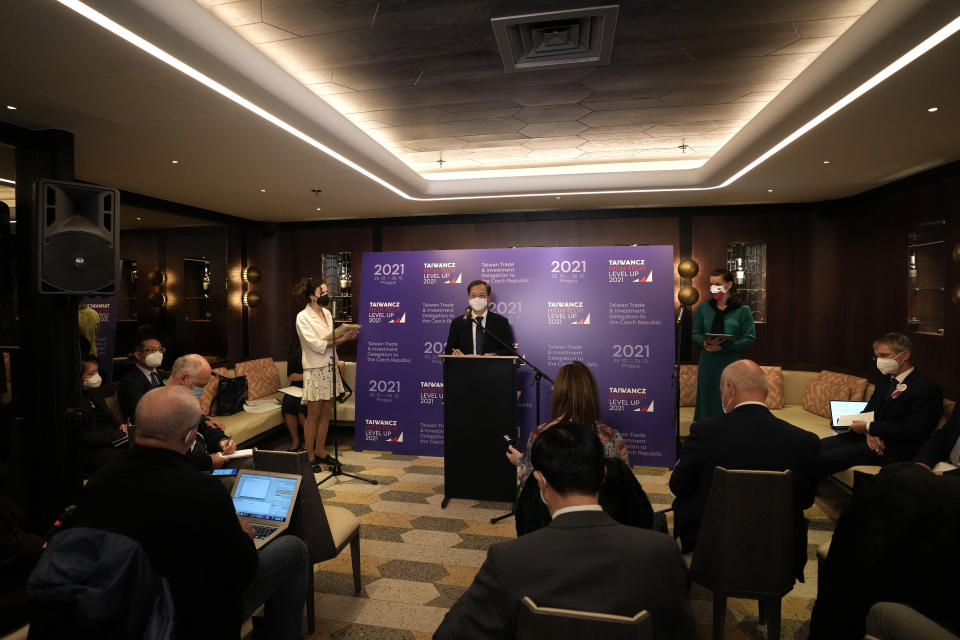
(775, 383)
(857, 385)
(263, 379)
(210, 391)
(688, 385)
(819, 393)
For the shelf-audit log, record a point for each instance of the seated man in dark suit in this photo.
(188, 527)
(582, 560)
(941, 453)
(466, 338)
(747, 436)
(148, 355)
(906, 406)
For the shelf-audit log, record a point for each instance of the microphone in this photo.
(466, 312)
(59, 522)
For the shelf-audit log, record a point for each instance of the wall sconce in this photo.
(251, 275)
(157, 278)
(157, 299)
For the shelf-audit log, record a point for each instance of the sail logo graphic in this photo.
(622, 399)
(431, 392)
(385, 312)
(382, 430)
(441, 273)
(561, 312)
(629, 270)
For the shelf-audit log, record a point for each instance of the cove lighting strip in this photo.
(926, 45)
(7, 181)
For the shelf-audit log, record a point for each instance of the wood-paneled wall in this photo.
(836, 271)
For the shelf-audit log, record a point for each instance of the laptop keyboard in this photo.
(261, 532)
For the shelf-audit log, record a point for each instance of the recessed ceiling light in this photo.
(11, 107)
(933, 40)
(933, 109)
(826, 162)
(174, 162)
(263, 190)
(319, 209)
(138, 219)
(769, 190)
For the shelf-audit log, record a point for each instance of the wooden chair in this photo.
(541, 623)
(326, 530)
(746, 544)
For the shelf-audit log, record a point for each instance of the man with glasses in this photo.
(148, 355)
(906, 406)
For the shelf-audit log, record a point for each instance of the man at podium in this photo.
(466, 338)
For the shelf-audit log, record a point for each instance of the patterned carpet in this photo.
(417, 558)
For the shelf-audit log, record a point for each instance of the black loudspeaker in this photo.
(78, 238)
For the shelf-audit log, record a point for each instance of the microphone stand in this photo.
(676, 381)
(538, 375)
(336, 469)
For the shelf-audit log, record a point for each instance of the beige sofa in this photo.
(246, 426)
(794, 386)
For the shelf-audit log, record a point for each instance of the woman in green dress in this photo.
(723, 314)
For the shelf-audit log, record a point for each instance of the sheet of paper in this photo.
(296, 392)
(240, 453)
(846, 421)
(342, 329)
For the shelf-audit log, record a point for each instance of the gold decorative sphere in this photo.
(253, 299)
(157, 299)
(688, 296)
(688, 268)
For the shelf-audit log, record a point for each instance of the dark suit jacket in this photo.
(130, 389)
(749, 437)
(582, 560)
(904, 423)
(461, 335)
(941, 443)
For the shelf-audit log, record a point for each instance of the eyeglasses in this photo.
(149, 351)
(885, 355)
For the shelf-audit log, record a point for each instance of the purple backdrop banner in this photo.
(106, 308)
(611, 307)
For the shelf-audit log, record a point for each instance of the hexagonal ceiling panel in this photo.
(426, 79)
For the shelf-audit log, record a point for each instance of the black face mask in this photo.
(323, 300)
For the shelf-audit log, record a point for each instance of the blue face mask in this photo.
(198, 391)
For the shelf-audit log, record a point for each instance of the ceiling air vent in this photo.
(557, 39)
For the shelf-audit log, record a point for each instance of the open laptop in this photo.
(265, 500)
(844, 408)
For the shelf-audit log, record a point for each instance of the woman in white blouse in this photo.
(315, 329)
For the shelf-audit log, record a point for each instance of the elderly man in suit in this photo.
(746, 436)
(906, 407)
(582, 560)
(466, 338)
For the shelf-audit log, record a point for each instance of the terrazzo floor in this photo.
(417, 559)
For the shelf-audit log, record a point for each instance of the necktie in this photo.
(479, 341)
(154, 380)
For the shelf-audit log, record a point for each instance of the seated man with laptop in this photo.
(905, 407)
(190, 530)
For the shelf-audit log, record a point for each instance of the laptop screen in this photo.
(844, 408)
(264, 496)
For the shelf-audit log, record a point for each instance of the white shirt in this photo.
(314, 334)
(747, 402)
(473, 325)
(147, 372)
(900, 377)
(582, 507)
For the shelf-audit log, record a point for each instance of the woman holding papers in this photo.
(315, 330)
(724, 328)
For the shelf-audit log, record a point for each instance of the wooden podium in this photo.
(479, 408)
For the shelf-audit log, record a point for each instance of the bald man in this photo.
(746, 436)
(186, 523)
(193, 372)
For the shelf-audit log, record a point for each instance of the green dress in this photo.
(737, 320)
